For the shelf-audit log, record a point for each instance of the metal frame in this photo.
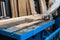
(53, 35)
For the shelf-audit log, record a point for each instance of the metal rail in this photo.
(54, 35)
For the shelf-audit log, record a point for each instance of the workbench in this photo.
(27, 32)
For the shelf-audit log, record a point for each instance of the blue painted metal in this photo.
(9, 34)
(37, 30)
(45, 34)
(57, 22)
(53, 35)
(27, 34)
(35, 37)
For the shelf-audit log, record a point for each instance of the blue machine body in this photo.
(57, 22)
(28, 34)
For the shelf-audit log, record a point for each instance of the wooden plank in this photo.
(32, 6)
(15, 6)
(28, 8)
(20, 26)
(27, 24)
(4, 9)
(22, 7)
(43, 6)
(18, 20)
(0, 9)
(12, 8)
(40, 6)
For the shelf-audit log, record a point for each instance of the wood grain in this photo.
(22, 7)
(20, 26)
(13, 4)
(32, 6)
(18, 20)
(43, 6)
(28, 8)
(12, 8)
(4, 8)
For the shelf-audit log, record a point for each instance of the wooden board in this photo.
(3, 8)
(20, 26)
(18, 20)
(43, 6)
(14, 8)
(22, 7)
(28, 8)
(32, 6)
